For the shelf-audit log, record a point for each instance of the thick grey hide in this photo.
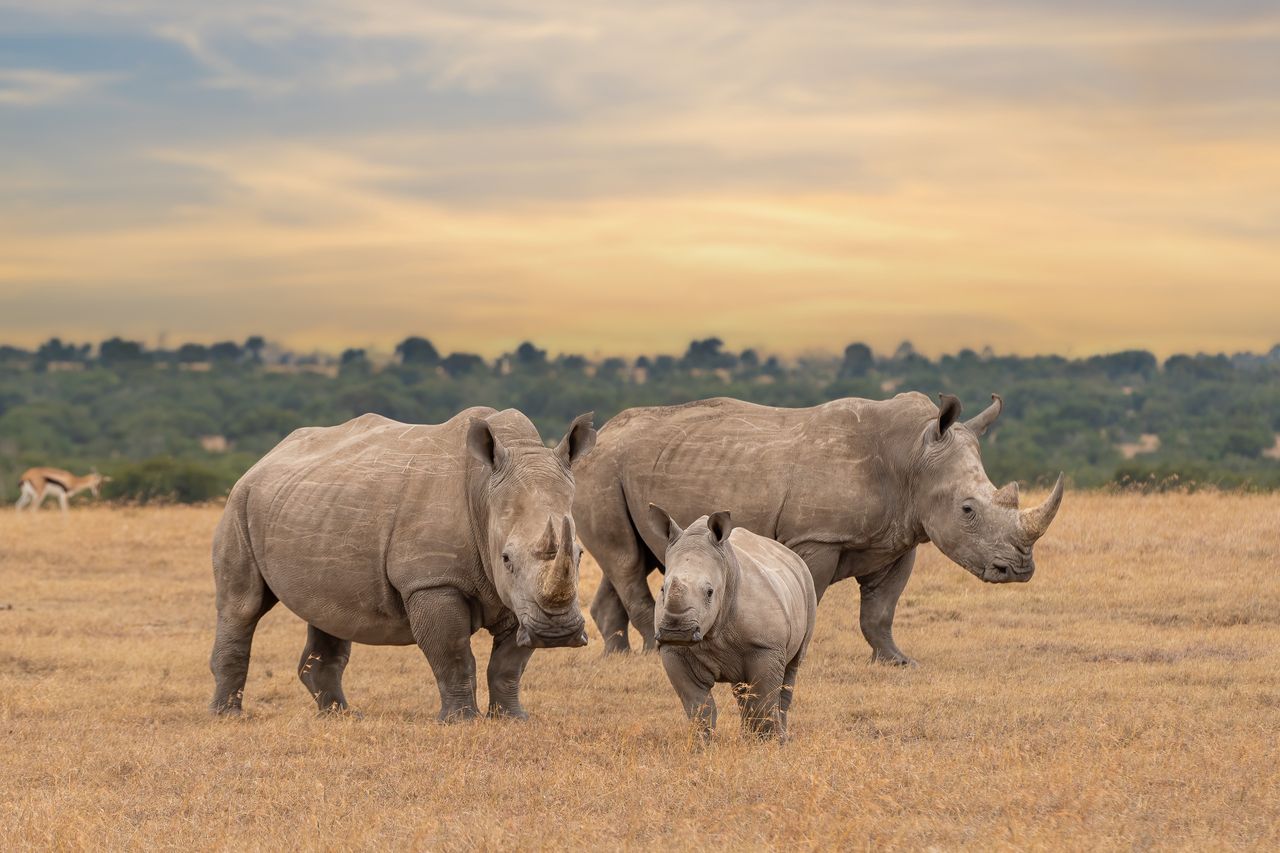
(387, 533)
(736, 609)
(852, 486)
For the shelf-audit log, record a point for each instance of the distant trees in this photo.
(1213, 417)
(254, 346)
(55, 350)
(707, 355)
(460, 364)
(226, 352)
(117, 352)
(192, 353)
(858, 361)
(529, 358)
(417, 351)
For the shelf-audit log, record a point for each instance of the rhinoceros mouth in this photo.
(535, 634)
(1000, 572)
(678, 636)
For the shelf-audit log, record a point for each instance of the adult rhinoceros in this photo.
(852, 486)
(391, 534)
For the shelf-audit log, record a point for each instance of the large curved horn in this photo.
(1034, 522)
(979, 424)
(558, 585)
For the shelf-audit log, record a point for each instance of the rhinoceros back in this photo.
(332, 514)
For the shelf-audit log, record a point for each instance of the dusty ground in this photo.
(1127, 697)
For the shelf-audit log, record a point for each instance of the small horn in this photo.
(979, 424)
(1007, 496)
(1034, 522)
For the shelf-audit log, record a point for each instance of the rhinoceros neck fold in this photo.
(478, 512)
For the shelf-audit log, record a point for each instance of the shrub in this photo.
(165, 479)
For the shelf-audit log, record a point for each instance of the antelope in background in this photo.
(38, 483)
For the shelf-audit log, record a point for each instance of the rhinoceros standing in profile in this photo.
(852, 486)
(386, 533)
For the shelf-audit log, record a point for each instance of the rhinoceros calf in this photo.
(852, 486)
(735, 608)
(386, 533)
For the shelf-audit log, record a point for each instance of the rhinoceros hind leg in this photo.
(320, 669)
(506, 667)
(611, 618)
(880, 593)
(440, 619)
(229, 662)
(609, 533)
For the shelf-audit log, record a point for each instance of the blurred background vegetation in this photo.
(183, 424)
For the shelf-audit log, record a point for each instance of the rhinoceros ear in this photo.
(948, 412)
(578, 441)
(665, 523)
(720, 526)
(483, 444)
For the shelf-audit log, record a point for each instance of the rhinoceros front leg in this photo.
(440, 620)
(880, 593)
(694, 692)
(760, 699)
(506, 667)
(321, 666)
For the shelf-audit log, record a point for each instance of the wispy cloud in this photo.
(570, 171)
(26, 87)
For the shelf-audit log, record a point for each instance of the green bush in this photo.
(165, 479)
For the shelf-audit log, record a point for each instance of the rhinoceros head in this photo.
(531, 551)
(699, 578)
(971, 521)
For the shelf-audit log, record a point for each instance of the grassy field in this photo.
(1129, 696)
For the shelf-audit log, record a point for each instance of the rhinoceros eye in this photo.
(967, 509)
(506, 561)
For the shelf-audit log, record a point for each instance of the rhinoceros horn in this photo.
(557, 585)
(979, 424)
(1034, 522)
(1007, 496)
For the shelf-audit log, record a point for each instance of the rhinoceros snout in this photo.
(531, 636)
(678, 636)
(1009, 572)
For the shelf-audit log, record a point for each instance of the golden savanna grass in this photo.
(1127, 697)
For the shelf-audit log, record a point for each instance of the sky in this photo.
(612, 177)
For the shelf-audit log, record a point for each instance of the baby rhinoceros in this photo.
(735, 608)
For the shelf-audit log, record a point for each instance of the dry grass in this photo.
(1127, 697)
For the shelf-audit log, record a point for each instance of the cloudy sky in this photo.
(619, 177)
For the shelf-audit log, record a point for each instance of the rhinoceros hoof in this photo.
(457, 715)
(894, 660)
(498, 712)
(334, 712)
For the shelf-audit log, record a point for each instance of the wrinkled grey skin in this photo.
(735, 608)
(386, 533)
(852, 486)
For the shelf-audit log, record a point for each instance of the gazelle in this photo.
(38, 483)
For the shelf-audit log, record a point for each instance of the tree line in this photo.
(184, 423)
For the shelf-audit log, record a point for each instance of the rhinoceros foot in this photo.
(502, 712)
(458, 715)
(337, 712)
(893, 659)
